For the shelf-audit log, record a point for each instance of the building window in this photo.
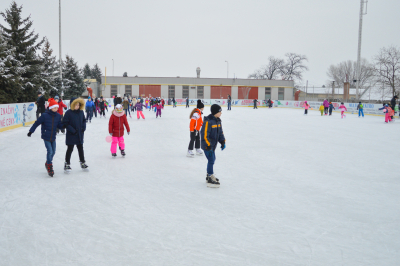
(267, 93)
(128, 90)
(281, 94)
(185, 91)
(171, 91)
(114, 90)
(200, 92)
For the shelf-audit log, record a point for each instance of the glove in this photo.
(223, 146)
(29, 134)
(110, 134)
(129, 133)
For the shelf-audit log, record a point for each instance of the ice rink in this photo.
(295, 190)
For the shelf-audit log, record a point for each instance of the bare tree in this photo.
(294, 67)
(387, 67)
(270, 71)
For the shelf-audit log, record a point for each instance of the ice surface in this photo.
(295, 190)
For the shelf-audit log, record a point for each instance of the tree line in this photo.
(28, 65)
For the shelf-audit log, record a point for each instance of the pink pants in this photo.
(387, 118)
(120, 141)
(139, 113)
(343, 115)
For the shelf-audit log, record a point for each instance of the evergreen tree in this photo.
(72, 79)
(50, 80)
(96, 73)
(20, 36)
(87, 72)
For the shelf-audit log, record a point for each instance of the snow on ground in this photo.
(295, 190)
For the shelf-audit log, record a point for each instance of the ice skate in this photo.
(67, 168)
(199, 152)
(50, 170)
(114, 155)
(84, 166)
(122, 152)
(212, 182)
(209, 176)
(190, 154)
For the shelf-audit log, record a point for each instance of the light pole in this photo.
(59, 13)
(227, 69)
(362, 2)
(113, 67)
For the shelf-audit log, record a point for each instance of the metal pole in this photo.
(362, 2)
(61, 80)
(227, 69)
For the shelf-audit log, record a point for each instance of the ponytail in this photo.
(192, 113)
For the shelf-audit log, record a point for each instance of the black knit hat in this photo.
(215, 109)
(200, 104)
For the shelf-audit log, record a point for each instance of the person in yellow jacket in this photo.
(321, 109)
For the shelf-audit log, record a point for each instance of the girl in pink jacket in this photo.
(342, 109)
(306, 107)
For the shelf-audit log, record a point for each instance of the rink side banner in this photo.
(16, 114)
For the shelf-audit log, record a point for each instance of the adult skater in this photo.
(211, 134)
(96, 105)
(255, 104)
(75, 123)
(125, 105)
(103, 106)
(360, 108)
(173, 102)
(229, 103)
(49, 121)
(89, 110)
(116, 129)
(326, 106)
(393, 102)
(41, 105)
(196, 121)
(61, 107)
(187, 102)
(134, 101)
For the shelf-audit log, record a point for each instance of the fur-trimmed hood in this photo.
(74, 101)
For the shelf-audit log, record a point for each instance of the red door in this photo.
(253, 92)
(150, 90)
(220, 92)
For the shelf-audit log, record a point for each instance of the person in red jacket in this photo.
(116, 130)
(61, 105)
(196, 122)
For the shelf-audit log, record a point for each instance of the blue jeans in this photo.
(229, 106)
(361, 111)
(210, 155)
(51, 150)
(89, 114)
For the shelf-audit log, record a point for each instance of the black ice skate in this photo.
(212, 182)
(208, 177)
(84, 166)
(67, 168)
(50, 170)
(122, 152)
(114, 155)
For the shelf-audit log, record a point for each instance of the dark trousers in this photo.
(95, 111)
(210, 155)
(255, 106)
(330, 111)
(187, 104)
(39, 113)
(326, 110)
(102, 112)
(194, 138)
(305, 111)
(71, 149)
(89, 114)
(51, 150)
(229, 106)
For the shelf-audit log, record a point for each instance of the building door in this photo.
(150, 90)
(220, 92)
(247, 92)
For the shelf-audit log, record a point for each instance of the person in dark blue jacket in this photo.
(211, 134)
(75, 123)
(331, 107)
(50, 121)
(89, 109)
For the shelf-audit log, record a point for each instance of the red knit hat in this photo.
(52, 103)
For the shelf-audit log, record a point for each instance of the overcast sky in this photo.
(172, 38)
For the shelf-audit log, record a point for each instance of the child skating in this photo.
(139, 109)
(360, 108)
(75, 122)
(196, 121)
(306, 107)
(321, 109)
(116, 129)
(49, 121)
(342, 109)
(211, 134)
(387, 111)
(331, 107)
(158, 107)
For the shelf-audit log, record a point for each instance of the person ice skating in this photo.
(118, 100)
(173, 102)
(41, 105)
(211, 134)
(342, 108)
(306, 107)
(326, 106)
(331, 107)
(229, 103)
(387, 111)
(134, 101)
(89, 110)
(103, 106)
(75, 123)
(49, 121)
(360, 108)
(321, 109)
(196, 121)
(187, 102)
(255, 104)
(139, 109)
(158, 107)
(116, 129)
(96, 105)
(393, 102)
(61, 105)
(163, 103)
(125, 105)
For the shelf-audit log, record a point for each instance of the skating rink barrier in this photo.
(15, 115)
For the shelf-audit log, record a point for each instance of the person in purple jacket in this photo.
(139, 108)
(326, 107)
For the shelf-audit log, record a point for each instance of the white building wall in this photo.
(261, 93)
(288, 94)
(207, 92)
(274, 93)
(234, 92)
(135, 90)
(178, 91)
(164, 91)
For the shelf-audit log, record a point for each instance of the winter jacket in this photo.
(255, 102)
(158, 106)
(102, 104)
(89, 105)
(321, 108)
(116, 124)
(125, 104)
(342, 108)
(75, 122)
(134, 101)
(331, 107)
(306, 105)
(41, 102)
(393, 102)
(196, 121)
(162, 102)
(61, 105)
(211, 132)
(50, 121)
(326, 104)
(360, 106)
(140, 106)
